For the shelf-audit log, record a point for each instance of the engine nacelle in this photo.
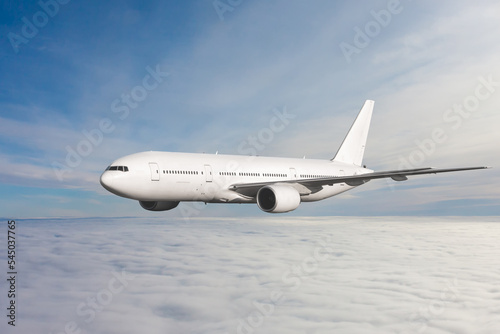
(158, 206)
(278, 199)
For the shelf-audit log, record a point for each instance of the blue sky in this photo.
(431, 68)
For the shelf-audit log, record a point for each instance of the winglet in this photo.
(353, 147)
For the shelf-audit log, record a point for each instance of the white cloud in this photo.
(335, 274)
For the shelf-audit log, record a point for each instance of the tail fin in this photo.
(353, 147)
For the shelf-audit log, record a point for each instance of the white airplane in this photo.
(160, 180)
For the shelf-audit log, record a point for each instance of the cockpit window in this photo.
(118, 168)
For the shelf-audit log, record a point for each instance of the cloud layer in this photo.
(292, 275)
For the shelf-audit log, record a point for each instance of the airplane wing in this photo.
(313, 185)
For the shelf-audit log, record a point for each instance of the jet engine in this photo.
(278, 198)
(158, 206)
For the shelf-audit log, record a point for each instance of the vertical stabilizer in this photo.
(353, 147)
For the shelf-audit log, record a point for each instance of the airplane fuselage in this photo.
(171, 176)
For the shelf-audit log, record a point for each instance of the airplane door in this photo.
(293, 173)
(208, 173)
(155, 171)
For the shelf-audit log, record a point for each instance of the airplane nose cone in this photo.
(107, 181)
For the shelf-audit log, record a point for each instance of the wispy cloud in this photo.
(227, 76)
